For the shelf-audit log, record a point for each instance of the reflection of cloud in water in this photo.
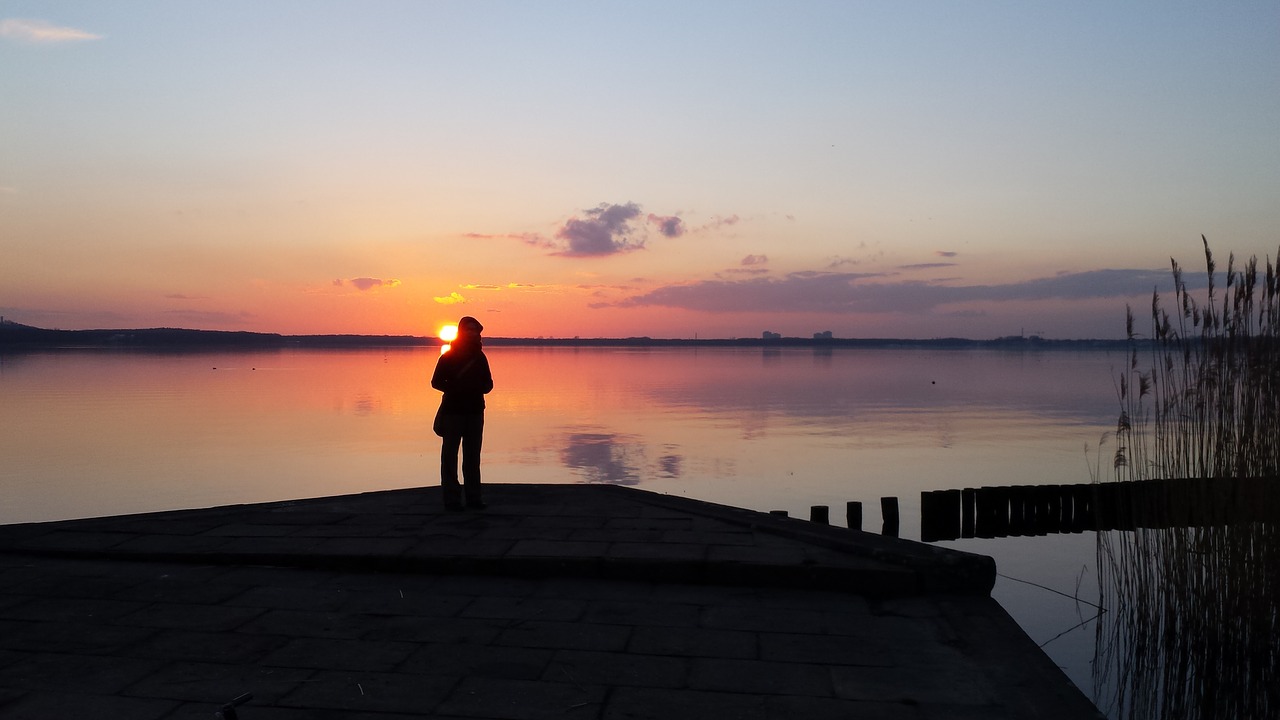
(603, 457)
(669, 465)
(614, 458)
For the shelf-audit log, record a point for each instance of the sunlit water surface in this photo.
(91, 433)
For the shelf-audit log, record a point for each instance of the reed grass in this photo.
(1192, 612)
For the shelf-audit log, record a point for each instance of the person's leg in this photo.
(449, 471)
(472, 439)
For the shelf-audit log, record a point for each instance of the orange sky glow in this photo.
(873, 169)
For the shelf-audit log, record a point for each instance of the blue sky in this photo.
(910, 169)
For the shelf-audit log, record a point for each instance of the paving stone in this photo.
(882, 629)
(408, 601)
(457, 547)
(825, 649)
(370, 692)
(69, 637)
(610, 535)
(470, 660)
(302, 519)
(9, 657)
(732, 537)
(97, 674)
(249, 576)
(557, 549)
(771, 678)
(657, 551)
(564, 522)
(156, 525)
(618, 669)
(792, 707)
(908, 607)
(754, 555)
(219, 647)
(54, 704)
(180, 589)
(277, 597)
(595, 589)
(9, 695)
(191, 617)
(68, 586)
(531, 533)
(345, 531)
(304, 623)
(665, 704)
(266, 547)
(764, 619)
(219, 683)
(64, 610)
(525, 608)
(77, 540)
(966, 712)
(337, 654)
(167, 545)
(423, 629)
(523, 700)
(250, 530)
(254, 711)
(673, 522)
(889, 684)
(478, 585)
(578, 636)
(365, 547)
(693, 642)
(622, 612)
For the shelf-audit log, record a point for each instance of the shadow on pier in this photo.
(1026, 510)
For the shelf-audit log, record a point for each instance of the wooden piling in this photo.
(853, 515)
(939, 515)
(820, 514)
(967, 500)
(889, 510)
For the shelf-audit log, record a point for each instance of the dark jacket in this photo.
(462, 374)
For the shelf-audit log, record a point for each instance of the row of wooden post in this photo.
(1025, 510)
(821, 514)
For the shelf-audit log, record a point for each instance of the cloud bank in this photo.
(670, 225)
(839, 292)
(364, 284)
(608, 229)
(41, 32)
(603, 230)
(453, 298)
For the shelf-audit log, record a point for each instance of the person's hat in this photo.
(470, 323)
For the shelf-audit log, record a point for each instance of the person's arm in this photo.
(485, 377)
(440, 378)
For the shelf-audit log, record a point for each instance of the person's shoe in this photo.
(477, 505)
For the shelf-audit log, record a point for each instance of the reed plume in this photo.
(1192, 607)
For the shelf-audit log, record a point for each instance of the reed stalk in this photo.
(1192, 612)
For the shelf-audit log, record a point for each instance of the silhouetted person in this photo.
(462, 374)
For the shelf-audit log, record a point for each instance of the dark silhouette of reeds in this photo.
(1191, 621)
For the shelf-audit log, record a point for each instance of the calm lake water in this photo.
(90, 433)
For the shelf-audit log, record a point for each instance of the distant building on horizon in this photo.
(769, 335)
(824, 335)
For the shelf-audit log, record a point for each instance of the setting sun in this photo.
(448, 334)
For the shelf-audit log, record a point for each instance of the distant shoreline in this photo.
(14, 336)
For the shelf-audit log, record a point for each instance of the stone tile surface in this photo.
(557, 601)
